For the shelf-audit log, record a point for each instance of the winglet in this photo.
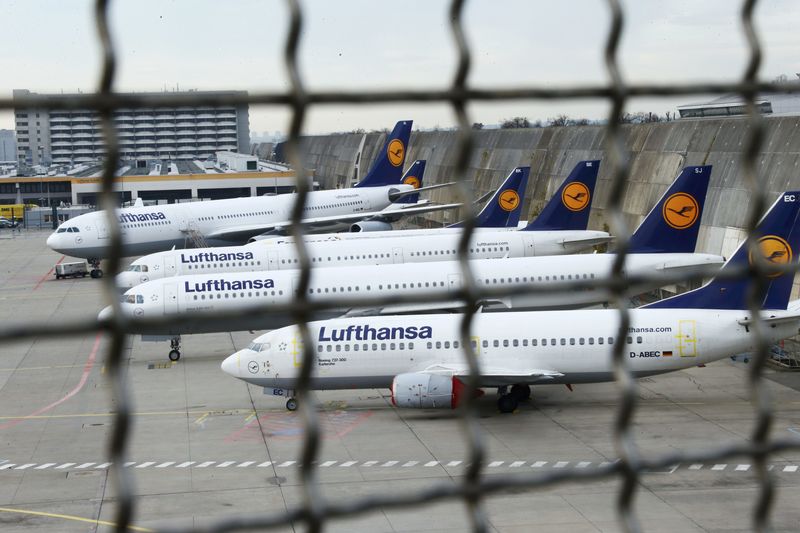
(505, 206)
(569, 207)
(673, 224)
(388, 166)
(413, 176)
(778, 236)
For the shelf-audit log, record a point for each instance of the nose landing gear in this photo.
(175, 345)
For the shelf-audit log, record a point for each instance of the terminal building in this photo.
(168, 134)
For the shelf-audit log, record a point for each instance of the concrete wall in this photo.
(657, 151)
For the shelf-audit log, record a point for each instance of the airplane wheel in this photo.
(521, 392)
(291, 404)
(507, 403)
(174, 355)
(96, 273)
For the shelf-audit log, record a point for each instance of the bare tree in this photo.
(515, 123)
(477, 125)
(560, 120)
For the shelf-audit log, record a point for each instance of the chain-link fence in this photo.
(315, 510)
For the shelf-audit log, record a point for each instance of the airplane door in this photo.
(272, 260)
(397, 255)
(529, 250)
(102, 229)
(171, 298)
(453, 282)
(169, 265)
(687, 338)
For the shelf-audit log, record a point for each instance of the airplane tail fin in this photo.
(778, 236)
(505, 206)
(413, 176)
(673, 224)
(569, 207)
(388, 166)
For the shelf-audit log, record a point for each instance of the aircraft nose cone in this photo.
(52, 241)
(231, 365)
(125, 281)
(105, 314)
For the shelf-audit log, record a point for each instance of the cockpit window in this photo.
(73, 230)
(134, 268)
(61, 230)
(144, 268)
(258, 346)
(139, 299)
(130, 299)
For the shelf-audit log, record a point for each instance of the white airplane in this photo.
(265, 255)
(198, 295)
(420, 359)
(223, 222)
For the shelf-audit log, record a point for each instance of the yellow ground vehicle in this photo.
(15, 211)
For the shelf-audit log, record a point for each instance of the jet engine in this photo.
(425, 391)
(370, 225)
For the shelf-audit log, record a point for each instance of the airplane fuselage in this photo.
(335, 252)
(370, 352)
(152, 229)
(196, 295)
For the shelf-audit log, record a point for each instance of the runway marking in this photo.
(575, 465)
(87, 368)
(49, 272)
(71, 517)
(29, 368)
(112, 414)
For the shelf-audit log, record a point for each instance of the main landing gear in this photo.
(175, 345)
(96, 272)
(508, 400)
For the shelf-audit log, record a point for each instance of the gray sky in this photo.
(49, 46)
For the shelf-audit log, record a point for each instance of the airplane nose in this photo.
(125, 281)
(52, 240)
(105, 314)
(231, 365)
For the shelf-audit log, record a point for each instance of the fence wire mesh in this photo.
(316, 510)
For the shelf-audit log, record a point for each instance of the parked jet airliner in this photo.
(196, 295)
(559, 229)
(266, 256)
(222, 222)
(419, 357)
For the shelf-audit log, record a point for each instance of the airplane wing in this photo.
(587, 241)
(792, 316)
(406, 309)
(240, 233)
(496, 375)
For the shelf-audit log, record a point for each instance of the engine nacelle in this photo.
(425, 391)
(370, 225)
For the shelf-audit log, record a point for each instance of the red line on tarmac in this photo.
(44, 278)
(87, 368)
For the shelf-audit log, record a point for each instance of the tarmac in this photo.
(204, 446)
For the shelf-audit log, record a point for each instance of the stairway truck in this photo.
(77, 269)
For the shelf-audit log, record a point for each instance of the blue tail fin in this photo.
(673, 224)
(778, 236)
(413, 176)
(505, 206)
(569, 207)
(388, 166)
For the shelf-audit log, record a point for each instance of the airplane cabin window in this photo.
(329, 348)
(638, 340)
(629, 340)
(430, 345)
(485, 344)
(563, 341)
(572, 341)
(515, 343)
(580, 341)
(438, 345)
(496, 343)
(591, 340)
(505, 343)
(447, 344)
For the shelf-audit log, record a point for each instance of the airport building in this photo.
(156, 187)
(166, 134)
(786, 104)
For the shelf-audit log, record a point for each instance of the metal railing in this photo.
(474, 487)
